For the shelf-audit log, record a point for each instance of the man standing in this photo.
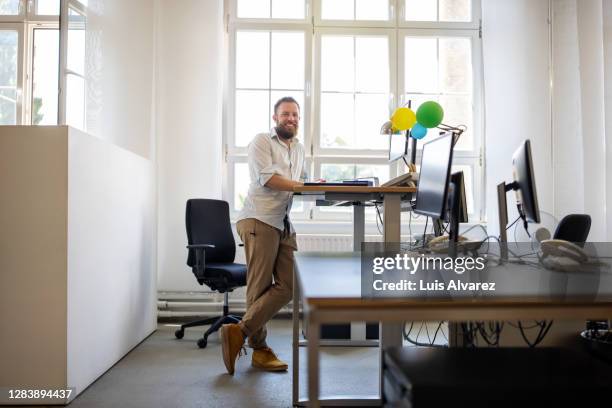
(276, 163)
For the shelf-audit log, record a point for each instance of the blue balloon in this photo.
(418, 131)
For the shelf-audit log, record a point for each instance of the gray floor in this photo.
(165, 372)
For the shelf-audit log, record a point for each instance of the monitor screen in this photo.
(524, 177)
(434, 176)
(398, 146)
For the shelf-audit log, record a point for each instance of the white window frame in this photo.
(234, 153)
(477, 151)
(31, 13)
(29, 58)
(18, 17)
(319, 32)
(474, 24)
(66, 5)
(396, 28)
(20, 29)
(320, 22)
(232, 16)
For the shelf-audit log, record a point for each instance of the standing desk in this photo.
(358, 196)
(330, 288)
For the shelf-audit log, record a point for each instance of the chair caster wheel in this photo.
(202, 343)
(179, 333)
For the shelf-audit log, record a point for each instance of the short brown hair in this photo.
(283, 100)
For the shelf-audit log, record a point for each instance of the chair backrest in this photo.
(208, 222)
(574, 228)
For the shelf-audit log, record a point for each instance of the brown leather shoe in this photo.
(265, 359)
(232, 341)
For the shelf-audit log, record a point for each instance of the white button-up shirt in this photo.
(269, 155)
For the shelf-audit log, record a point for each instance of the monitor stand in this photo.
(453, 231)
(502, 215)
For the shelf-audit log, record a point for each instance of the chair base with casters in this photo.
(215, 324)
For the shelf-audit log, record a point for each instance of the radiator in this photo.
(327, 243)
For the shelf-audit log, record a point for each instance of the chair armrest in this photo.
(200, 255)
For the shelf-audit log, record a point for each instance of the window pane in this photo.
(45, 74)
(438, 10)
(458, 111)
(242, 179)
(337, 9)
(9, 7)
(8, 106)
(372, 10)
(337, 63)
(337, 119)
(455, 10)
(336, 171)
(420, 64)
(8, 77)
(75, 101)
(253, 9)
(47, 7)
(371, 111)
(76, 43)
(293, 9)
(299, 97)
(287, 60)
(252, 115)
(372, 64)
(252, 59)
(421, 10)
(455, 65)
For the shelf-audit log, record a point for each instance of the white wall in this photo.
(607, 33)
(112, 296)
(517, 96)
(189, 98)
(33, 247)
(77, 255)
(581, 150)
(119, 68)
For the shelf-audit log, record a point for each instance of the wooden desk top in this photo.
(333, 280)
(352, 189)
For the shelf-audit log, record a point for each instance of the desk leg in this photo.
(296, 340)
(314, 329)
(390, 333)
(358, 226)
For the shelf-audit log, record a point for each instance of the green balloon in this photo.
(430, 114)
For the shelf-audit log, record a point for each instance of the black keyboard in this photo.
(353, 183)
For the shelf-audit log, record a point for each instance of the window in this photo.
(75, 70)
(10, 7)
(29, 48)
(350, 63)
(45, 76)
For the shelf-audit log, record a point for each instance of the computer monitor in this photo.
(398, 146)
(526, 194)
(527, 197)
(434, 177)
(458, 180)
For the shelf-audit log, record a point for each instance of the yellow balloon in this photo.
(403, 118)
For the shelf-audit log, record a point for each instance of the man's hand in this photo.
(281, 183)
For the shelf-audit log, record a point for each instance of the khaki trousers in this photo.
(270, 260)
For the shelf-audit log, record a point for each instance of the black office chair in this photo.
(574, 228)
(212, 250)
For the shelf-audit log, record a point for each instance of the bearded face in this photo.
(287, 119)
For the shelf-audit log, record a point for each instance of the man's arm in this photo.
(281, 183)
